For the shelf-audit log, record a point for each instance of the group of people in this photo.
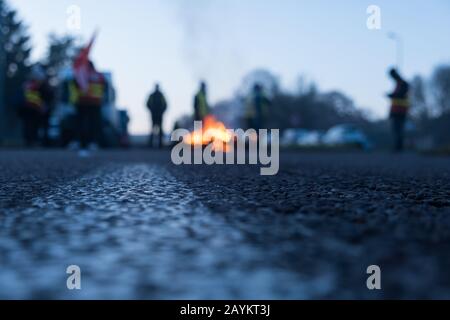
(157, 105)
(88, 98)
(258, 104)
(38, 100)
(256, 113)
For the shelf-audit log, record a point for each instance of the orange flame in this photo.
(213, 132)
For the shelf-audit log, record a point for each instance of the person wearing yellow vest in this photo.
(34, 105)
(201, 106)
(257, 109)
(400, 105)
(89, 107)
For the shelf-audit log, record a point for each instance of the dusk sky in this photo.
(178, 43)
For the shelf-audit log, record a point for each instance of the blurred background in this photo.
(324, 70)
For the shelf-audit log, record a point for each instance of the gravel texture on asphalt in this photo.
(140, 227)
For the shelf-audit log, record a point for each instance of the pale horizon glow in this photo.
(178, 43)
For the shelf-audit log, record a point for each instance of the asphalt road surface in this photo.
(140, 227)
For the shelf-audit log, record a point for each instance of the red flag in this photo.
(81, 66)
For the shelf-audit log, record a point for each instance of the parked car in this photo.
(290, 136)
(346, 136)
(309, 139)
(301, 138)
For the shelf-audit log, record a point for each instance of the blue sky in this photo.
(179, 42)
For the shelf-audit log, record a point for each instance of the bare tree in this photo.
(268, 80)
(440, 88)
(419, 102)
(60, 53)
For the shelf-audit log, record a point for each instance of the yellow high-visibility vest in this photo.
(400, 106)
(401, 102)
(33, 97)
(203, 109)
(93, 96)
(96, 90)
(74, 93)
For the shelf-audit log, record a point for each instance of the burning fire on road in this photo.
(213, 132)
(212, 143)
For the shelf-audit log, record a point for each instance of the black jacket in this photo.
(157, 104)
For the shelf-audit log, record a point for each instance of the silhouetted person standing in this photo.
(257, 109)
(157, 105)
(201, 106)
(399, 109)
(89, 105)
